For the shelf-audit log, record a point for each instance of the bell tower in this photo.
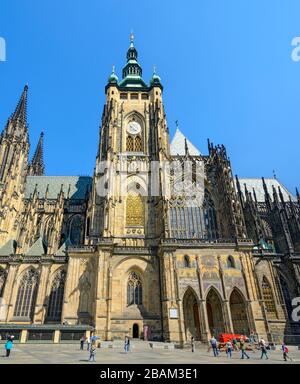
(134, 142)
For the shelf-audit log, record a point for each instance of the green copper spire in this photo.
(132, 72)
(156, 80)
(113, 78)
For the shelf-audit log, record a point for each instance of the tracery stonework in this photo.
(174, 255)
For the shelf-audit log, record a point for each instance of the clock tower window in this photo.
(134, 144)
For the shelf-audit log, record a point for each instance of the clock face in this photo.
(133, 128)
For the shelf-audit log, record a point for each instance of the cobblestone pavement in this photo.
(141, 354)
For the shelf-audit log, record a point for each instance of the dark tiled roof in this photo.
(257, 185)
(77, 184)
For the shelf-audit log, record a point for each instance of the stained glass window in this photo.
(27, 294)
(56, 297)
(134, 290)
(76, 230)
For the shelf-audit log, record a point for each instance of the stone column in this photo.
(10, 291)
(171, 326)
(23, 336)
(205, 333)
(71, 294)
(226, 305)
(102, 307)
(39, 311)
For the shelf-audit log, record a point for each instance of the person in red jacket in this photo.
(285, 352)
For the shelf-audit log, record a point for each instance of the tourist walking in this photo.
(88, 342)
(8, 346)
(243, 349)
(193, 344)
(235, 344)
(263, 348)
(82, 340)
(285, 352)
(214, 345)
(229, 349)
(92, 352)
(252, 337)
(126, 344)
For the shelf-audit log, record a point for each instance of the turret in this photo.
(36, 167)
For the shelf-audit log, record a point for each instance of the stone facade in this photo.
(130, 262)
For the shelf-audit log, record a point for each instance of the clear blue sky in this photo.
(225, 64)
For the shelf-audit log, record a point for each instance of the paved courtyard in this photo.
(140, 354)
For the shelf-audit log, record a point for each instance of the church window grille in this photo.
(134, 290)
(123, 96)
(130, 144)
(26, 296)
(56, 297)
(268, 296)
(134, 144)
(138, 144)
(134, 210)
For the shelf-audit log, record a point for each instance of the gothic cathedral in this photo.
(121, 253)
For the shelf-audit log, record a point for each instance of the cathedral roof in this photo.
(74, 187)
(62, 250)
(180, 143)
(9, 248)
(37, 249)
(257, 185)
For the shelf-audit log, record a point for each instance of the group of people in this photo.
(235, 345)
(92, 347)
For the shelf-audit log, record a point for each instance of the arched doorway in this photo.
(238, 313)
(135, 331)
(191, 315)
(214, 313)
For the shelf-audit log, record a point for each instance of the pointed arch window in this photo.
(76, 230)
(3, 276)
(129, 144)
(187, 262)
(134, 210)
(268, 296)
(230, 262)
(26, 296)
(56, 297)
(138, 144)
(134, 144)
(134, 290)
